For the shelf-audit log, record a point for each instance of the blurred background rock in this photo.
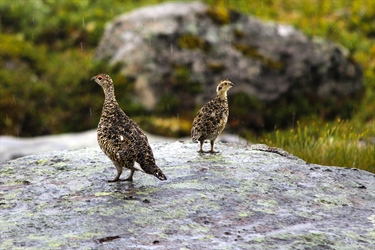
(304, 70)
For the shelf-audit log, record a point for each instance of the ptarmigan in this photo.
(121, 139)
(212, 117)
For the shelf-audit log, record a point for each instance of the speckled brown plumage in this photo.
(121, 139)
(212, 117)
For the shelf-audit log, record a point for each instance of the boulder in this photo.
(245, 197)
(175, 53)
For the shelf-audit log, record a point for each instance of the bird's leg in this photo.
(212, 147)
(119, 172)
(130, 177)
(200, 146)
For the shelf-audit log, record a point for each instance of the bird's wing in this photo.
(196, 128)
(206, 121)
(128, 134)
(123, 134)
(134, 144)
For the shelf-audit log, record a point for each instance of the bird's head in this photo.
(223, 87)
(103, 80)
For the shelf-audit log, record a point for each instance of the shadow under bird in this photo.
(211, 119)
(121, 139)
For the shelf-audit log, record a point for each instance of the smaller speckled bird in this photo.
(121, 139)
(212, 117)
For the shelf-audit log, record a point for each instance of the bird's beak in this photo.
(93, 78)
(231, 84)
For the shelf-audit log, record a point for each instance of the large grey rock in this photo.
(175, 53)
(246, 197)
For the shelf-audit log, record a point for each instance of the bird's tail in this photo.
(149, 166)
(194, 136)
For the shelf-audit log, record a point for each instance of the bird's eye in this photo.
(100, 78)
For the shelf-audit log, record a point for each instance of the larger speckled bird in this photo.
(121, 139)
(212, 117)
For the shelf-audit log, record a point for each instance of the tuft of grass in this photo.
(336, 143)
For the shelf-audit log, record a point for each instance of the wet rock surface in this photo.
(245, 197)
(176, 53)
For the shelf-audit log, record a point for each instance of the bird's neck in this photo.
(222, 95)
(109, 97)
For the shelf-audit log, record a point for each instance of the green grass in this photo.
(336, 143)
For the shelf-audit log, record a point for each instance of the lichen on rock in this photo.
(247, 195)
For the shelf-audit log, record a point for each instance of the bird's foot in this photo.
(127, 179)
(116, 180)
(208, 152)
